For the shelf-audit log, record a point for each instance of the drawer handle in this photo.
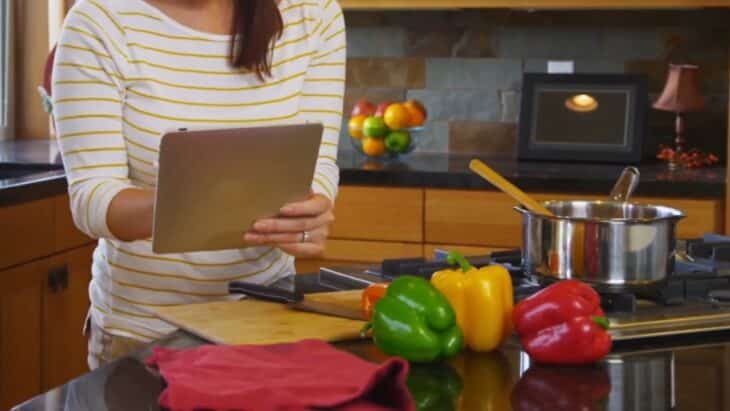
(58, 279)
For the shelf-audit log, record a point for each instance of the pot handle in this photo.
(625, 185)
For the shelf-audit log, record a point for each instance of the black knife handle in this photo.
(265, 293)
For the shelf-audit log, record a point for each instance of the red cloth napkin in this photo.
(307, 375)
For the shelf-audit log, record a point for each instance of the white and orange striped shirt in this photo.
(125, 72)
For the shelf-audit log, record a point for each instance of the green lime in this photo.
(398, 141)
(374, 127)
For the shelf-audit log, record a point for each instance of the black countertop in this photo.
(435, 170)
(40, 159)
(687, 373)
(690, 376)
(430, 170)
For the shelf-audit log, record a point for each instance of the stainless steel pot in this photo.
(610, 244)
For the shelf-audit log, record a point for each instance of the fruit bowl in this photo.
(385, 152)
(388, 131)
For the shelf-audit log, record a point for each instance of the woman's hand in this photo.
(300, 229)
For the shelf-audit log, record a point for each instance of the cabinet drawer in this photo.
(486, 218)
(27, 231)
(373, 213)
(369, 251)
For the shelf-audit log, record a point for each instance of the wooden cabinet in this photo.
(343, 252)
(371, 224)
(376, 223)
(20, 332)
(487, 218)
(65, 304)
(27, 232)
(45, 266)
(377, 213)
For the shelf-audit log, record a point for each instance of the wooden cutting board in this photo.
(252, 321)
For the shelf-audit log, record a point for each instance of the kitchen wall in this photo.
(467, 66)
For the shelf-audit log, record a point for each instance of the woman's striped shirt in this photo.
(124, 73)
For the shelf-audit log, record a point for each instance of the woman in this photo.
(127, 70)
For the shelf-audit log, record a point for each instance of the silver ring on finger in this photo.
(306, 236)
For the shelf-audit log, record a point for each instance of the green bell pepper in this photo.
(413, 320)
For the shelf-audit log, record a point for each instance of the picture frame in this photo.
(583, 117)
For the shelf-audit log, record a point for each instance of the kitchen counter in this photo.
(638, 378)
(692, 372)
(428, 170)
(451, 171)
(21, 183)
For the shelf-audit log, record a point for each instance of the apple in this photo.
(380, 111)
(363, 107)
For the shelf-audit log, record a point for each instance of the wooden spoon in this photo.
(508, 188)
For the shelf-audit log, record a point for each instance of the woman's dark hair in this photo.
(256, 24)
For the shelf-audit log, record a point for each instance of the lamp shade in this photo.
(681, 92)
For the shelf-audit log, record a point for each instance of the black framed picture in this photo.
(583, 117)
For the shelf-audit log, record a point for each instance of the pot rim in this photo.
(676, 214)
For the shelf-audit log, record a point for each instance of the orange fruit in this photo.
(416, 111)
(397, 117)
(355, 126)
(374, 147)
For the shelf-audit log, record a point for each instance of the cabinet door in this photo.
(27, 230)
(20, 332)
(65, 306)
(380, 214)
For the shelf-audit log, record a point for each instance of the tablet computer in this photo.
(213, 184)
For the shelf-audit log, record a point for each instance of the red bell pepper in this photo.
(563, 324)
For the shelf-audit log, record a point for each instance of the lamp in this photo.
(680, 95)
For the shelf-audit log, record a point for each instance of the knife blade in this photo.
(293, 300)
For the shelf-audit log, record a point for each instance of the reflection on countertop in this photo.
(683, 375)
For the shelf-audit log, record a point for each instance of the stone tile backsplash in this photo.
(467, 66)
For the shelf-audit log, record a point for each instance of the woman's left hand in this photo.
(300, 229)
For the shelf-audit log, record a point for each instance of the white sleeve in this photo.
(87, 94)
(323, 93)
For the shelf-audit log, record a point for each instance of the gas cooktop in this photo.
(695, 299)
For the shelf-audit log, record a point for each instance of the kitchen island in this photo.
(681, 373)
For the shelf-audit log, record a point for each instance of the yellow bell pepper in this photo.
(482, 299)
